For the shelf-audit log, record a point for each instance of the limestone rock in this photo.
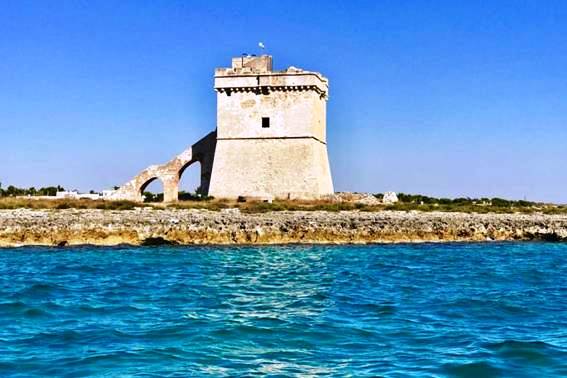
(390, 198)
(368, 200)
(108, 227)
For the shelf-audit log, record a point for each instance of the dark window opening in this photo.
(265, 122)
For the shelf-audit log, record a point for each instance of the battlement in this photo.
(252, 63)
(255, 74)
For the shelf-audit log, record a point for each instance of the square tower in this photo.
(271, 132)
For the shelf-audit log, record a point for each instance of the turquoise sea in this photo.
(427, 310)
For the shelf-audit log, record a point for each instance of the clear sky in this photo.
(445, 98)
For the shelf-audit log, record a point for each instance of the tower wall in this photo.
(282, 168)
(292, 114)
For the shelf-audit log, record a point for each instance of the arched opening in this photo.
(152, 190)
(190, 181)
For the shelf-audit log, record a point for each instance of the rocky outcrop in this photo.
(155, 226)
(368, 199)
(390, 198)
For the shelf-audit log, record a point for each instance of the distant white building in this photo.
(92, 196)
(106, 194)
(67, 195)
(73, 194)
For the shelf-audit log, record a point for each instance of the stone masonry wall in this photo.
(283, 168)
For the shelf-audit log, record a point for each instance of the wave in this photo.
(473, 370)
(534, 352)
(18, 308)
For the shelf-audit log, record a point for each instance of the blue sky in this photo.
(443, 98)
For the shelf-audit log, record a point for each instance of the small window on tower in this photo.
(265, 122)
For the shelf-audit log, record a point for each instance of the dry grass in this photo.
(479, 208)
(327, 205)
(277, 205)
(31, 203)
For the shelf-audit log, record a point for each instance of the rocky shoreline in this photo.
(152, 226)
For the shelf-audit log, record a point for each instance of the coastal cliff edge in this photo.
(23, 227)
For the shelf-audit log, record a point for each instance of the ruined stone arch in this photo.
(196, 162)
(170, 172)
(147, 183)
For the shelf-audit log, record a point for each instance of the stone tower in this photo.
(270, 139)
(271, 132)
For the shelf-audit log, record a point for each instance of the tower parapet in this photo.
(255, 74)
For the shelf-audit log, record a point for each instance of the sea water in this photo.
(470, 310)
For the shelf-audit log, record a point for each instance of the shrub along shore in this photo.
(356, 219)
(406, 203)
